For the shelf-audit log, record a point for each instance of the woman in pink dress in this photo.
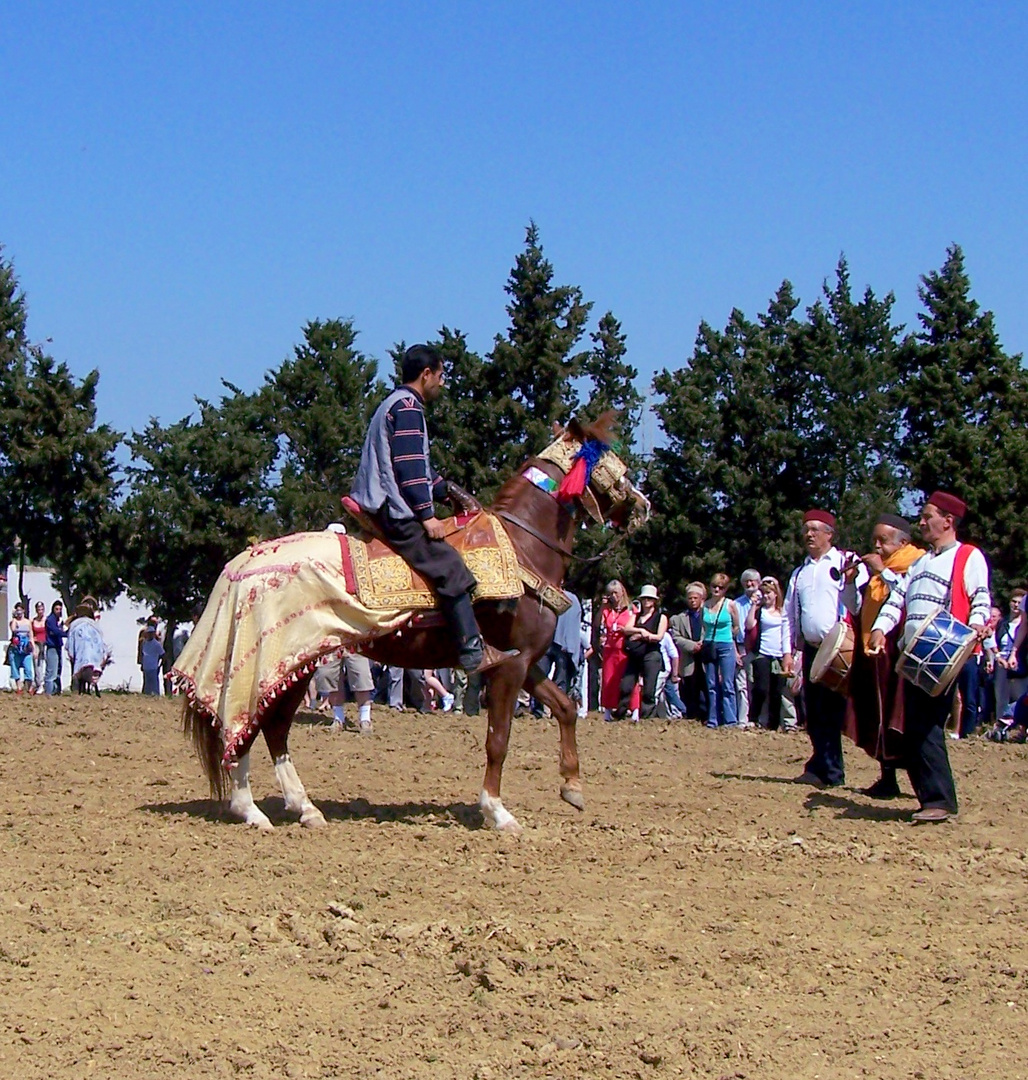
(617, 614)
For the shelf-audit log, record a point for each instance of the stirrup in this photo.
(477, 656)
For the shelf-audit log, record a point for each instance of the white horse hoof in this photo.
(510, 828)
(261, 824)
(312, 818)
(573, 796)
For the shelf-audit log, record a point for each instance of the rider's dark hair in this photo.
(416, 359)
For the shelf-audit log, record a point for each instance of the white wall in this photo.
(119, 623)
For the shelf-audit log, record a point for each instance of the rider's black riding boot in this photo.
(475, 654)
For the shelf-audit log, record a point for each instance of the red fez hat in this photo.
(820, 515)
(948, 504)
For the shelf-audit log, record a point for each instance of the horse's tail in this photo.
(197, 727)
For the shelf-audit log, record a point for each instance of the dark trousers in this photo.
(924, 747)
(766, 687)
(649, 666)
(969, 681)
(825, 711)
(565, 674)
(693, 690)
(435, 560)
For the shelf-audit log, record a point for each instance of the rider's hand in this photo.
(434, 527)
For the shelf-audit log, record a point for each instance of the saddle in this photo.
(383, 580)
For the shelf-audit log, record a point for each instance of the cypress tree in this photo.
(964, 401)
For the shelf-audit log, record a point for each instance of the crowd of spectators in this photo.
(724, 661)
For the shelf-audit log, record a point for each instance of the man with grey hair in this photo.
(750, 581)
(813, 604)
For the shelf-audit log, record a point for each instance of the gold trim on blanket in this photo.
(388, 583)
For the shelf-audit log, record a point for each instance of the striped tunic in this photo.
(915, 595)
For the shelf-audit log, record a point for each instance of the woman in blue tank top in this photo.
(720, 630)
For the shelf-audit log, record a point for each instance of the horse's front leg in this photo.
(276, 734)
(566, 715)
(504, 683)
(241, 805)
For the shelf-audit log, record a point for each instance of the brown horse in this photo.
(541, 529)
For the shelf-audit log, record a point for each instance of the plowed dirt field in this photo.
(701, 918)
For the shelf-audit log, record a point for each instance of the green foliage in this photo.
(198, 495)
(768, 419)
(57, 467)
(964, 404)
(317, 406)
(530, 377)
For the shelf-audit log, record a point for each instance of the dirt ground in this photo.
(701, 918)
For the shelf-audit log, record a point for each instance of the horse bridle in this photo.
(608, 475)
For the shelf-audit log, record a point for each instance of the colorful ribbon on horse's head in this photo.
(577, 478)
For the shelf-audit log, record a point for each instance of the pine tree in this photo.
(530, 377)
(964, 403)
(57, 466)
(62, 486)
(198, 495)
(317, 405)
(460, 422)
(847, 350)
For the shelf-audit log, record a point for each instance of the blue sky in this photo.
(183, 186)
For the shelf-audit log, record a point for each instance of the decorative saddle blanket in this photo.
(384, 582)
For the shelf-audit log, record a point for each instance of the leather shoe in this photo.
(882, 789)
(931, 815)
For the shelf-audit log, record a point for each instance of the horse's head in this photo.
(604, 489)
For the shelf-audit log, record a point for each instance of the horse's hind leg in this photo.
(563, 709)
(241, 804)
(276, 734)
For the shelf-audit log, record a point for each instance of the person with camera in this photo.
(643, 636)
(770, 648)
(1011, 679)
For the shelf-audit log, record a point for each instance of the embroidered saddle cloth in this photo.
(280, 606)
(384, 582)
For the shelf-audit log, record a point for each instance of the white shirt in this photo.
(774, 634)
(813, 602)
(926, 586)
(668, 651)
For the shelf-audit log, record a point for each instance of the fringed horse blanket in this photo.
(282, 605)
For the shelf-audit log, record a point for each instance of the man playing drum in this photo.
(874, 712)
(813, 605)
(955, 577)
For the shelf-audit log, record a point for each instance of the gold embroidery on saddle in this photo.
(386, 582)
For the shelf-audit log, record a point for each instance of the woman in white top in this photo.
(772, 662)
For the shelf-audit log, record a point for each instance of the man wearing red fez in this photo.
(813, 605)
(953, 576)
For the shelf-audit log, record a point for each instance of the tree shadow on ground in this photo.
(443, 815)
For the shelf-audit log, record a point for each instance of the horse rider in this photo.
(954, 576)
(397, 487)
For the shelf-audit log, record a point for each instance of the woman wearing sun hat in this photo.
(642, 643)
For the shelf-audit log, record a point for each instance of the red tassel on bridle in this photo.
(577, 478)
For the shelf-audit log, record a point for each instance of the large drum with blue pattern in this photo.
(933, 657)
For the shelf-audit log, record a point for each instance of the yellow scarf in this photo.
(877, 592)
